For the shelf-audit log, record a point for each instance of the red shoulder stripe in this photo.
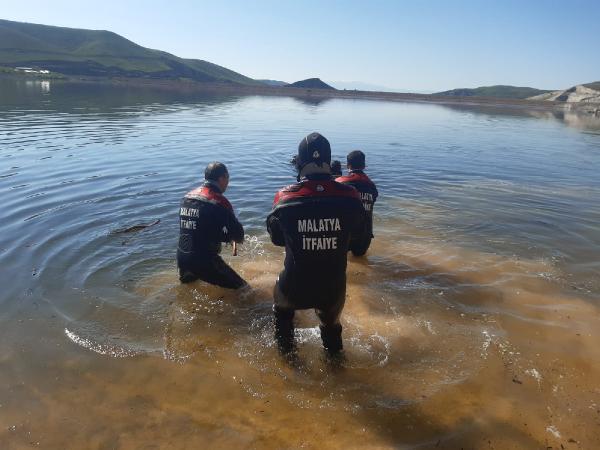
(315, 189)
(344, 179)
(354, 178)
(211, 196)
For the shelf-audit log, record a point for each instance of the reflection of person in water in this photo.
(358, 179)
(206, 220)
(314, 219)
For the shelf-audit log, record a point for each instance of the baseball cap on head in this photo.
(314, 148)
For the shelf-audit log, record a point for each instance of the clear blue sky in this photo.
(417, 45)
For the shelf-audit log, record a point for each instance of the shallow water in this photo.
(473, 322)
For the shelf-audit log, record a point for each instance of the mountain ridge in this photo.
(77, 51)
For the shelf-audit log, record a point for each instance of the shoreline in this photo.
(322, 94)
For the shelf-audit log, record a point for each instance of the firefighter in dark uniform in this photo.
(206, 220)
(336, 169)
(314, 219)
(358, 179)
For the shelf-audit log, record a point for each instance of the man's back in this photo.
(368, 192)
(205, 220)
(315, 220)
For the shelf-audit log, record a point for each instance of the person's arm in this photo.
(275, 230)
(235, 230)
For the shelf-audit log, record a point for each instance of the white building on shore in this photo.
(31, 70)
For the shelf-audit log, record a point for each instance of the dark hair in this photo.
(336, 167)
(356, 159)
(215, 170)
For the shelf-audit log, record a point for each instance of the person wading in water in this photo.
(336, 169)
(314, 219)
(206, 220)
(358, 179)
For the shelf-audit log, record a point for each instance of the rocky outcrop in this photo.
(311, 83)
(577, 94)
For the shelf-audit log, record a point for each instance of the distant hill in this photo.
(361, 86)
(72, 51)
(498, 91)
(582, 93)
(311, 83)
(274, 83)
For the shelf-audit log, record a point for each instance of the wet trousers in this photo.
(359, 247)
(213, 271)
(328, 314)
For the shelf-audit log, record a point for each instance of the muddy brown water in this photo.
(473, 322)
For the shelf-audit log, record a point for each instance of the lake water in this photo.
(472, 322)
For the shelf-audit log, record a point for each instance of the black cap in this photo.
(356, 159)
(215, 170)
(313, 148)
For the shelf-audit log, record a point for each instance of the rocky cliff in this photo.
(582, 93)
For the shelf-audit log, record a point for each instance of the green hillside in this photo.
(72, 51)
(499, 91)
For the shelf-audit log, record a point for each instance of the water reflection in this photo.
(585, 119)
(81, 97)
(75, 97)
(312, 101)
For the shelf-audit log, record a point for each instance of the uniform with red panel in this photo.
(358, 179)
(315, 220)
(206, 219)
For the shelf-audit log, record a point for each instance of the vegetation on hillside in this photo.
(275, 83)
(499, 91)
(72, 51)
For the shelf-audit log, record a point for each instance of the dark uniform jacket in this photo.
(205, 220)
(368, 193)
(315, 219)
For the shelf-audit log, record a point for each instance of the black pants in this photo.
(359, 247)
(329, 315)
(213, 271)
